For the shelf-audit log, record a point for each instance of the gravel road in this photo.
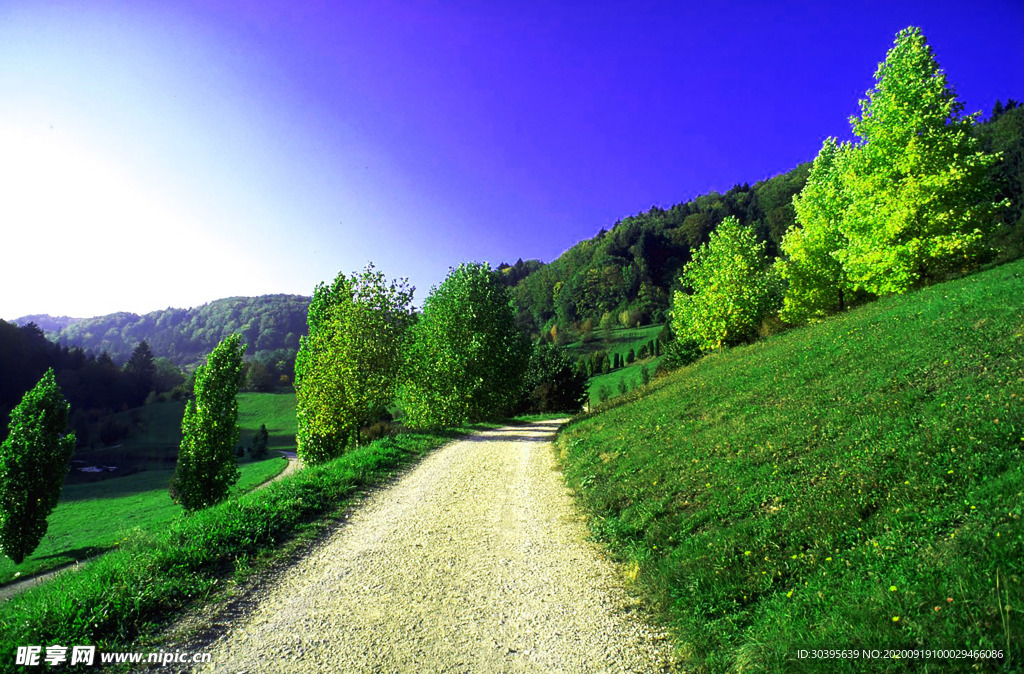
(474, 561)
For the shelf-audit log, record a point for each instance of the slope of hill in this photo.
(268, 324)
(628, 274)
(853, 484)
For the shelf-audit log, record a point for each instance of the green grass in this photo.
(130, 592)
(614, 340)
(276, 410)
(630, 374)
(155, 430)
(854, 484)
(94, 517)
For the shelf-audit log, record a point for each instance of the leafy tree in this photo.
(349, 365)
(206, 462)
(468, 357)
(34, 459)
(733, 289)
(552, 382)
(918, 188)
(817, 285)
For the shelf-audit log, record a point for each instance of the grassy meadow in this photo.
(614, 340)
(853, 484)
(96, 514)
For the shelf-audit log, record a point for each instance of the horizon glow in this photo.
(170, 154)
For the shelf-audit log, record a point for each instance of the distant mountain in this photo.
(270, 325)
(46, 322)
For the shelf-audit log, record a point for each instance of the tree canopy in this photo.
(467, 356)
(349, 365)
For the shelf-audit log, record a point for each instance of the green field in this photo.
(629, 374)
(94, 517)
(95, 514)
(854, 484)
(614, 340)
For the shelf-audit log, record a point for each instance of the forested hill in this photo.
(626, 275)
(270, 324)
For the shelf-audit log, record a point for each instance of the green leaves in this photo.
(348, 367)
(34, 459)
(206, 466)
(733, 287)
(909, 204)
(467, 357)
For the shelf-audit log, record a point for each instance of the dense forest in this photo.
(270, 325)
(93, 384)
(626, 276)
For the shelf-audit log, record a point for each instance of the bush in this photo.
(552, 383)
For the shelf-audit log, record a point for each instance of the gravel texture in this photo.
(475, 561)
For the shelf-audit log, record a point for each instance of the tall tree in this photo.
(468, 357)
(918, 187)
(206, 462)
(34, 459)
(817, 285)
(733, 289)
(349, 365)
(141, 370)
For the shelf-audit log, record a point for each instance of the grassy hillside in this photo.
(854, 484)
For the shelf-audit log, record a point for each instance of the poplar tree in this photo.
(207, 467)
(34, 459)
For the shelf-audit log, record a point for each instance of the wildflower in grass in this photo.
(892, 588)
(895, 618)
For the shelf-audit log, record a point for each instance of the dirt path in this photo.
(475, 561)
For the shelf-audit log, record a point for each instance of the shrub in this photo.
(552, 383)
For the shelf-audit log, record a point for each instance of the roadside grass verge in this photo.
(94, 517)
(855, 484)
(153, 575)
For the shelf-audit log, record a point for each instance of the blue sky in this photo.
(172, 153)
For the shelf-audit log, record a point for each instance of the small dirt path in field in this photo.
(476, 560)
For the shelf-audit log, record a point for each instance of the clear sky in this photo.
(157, 154)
